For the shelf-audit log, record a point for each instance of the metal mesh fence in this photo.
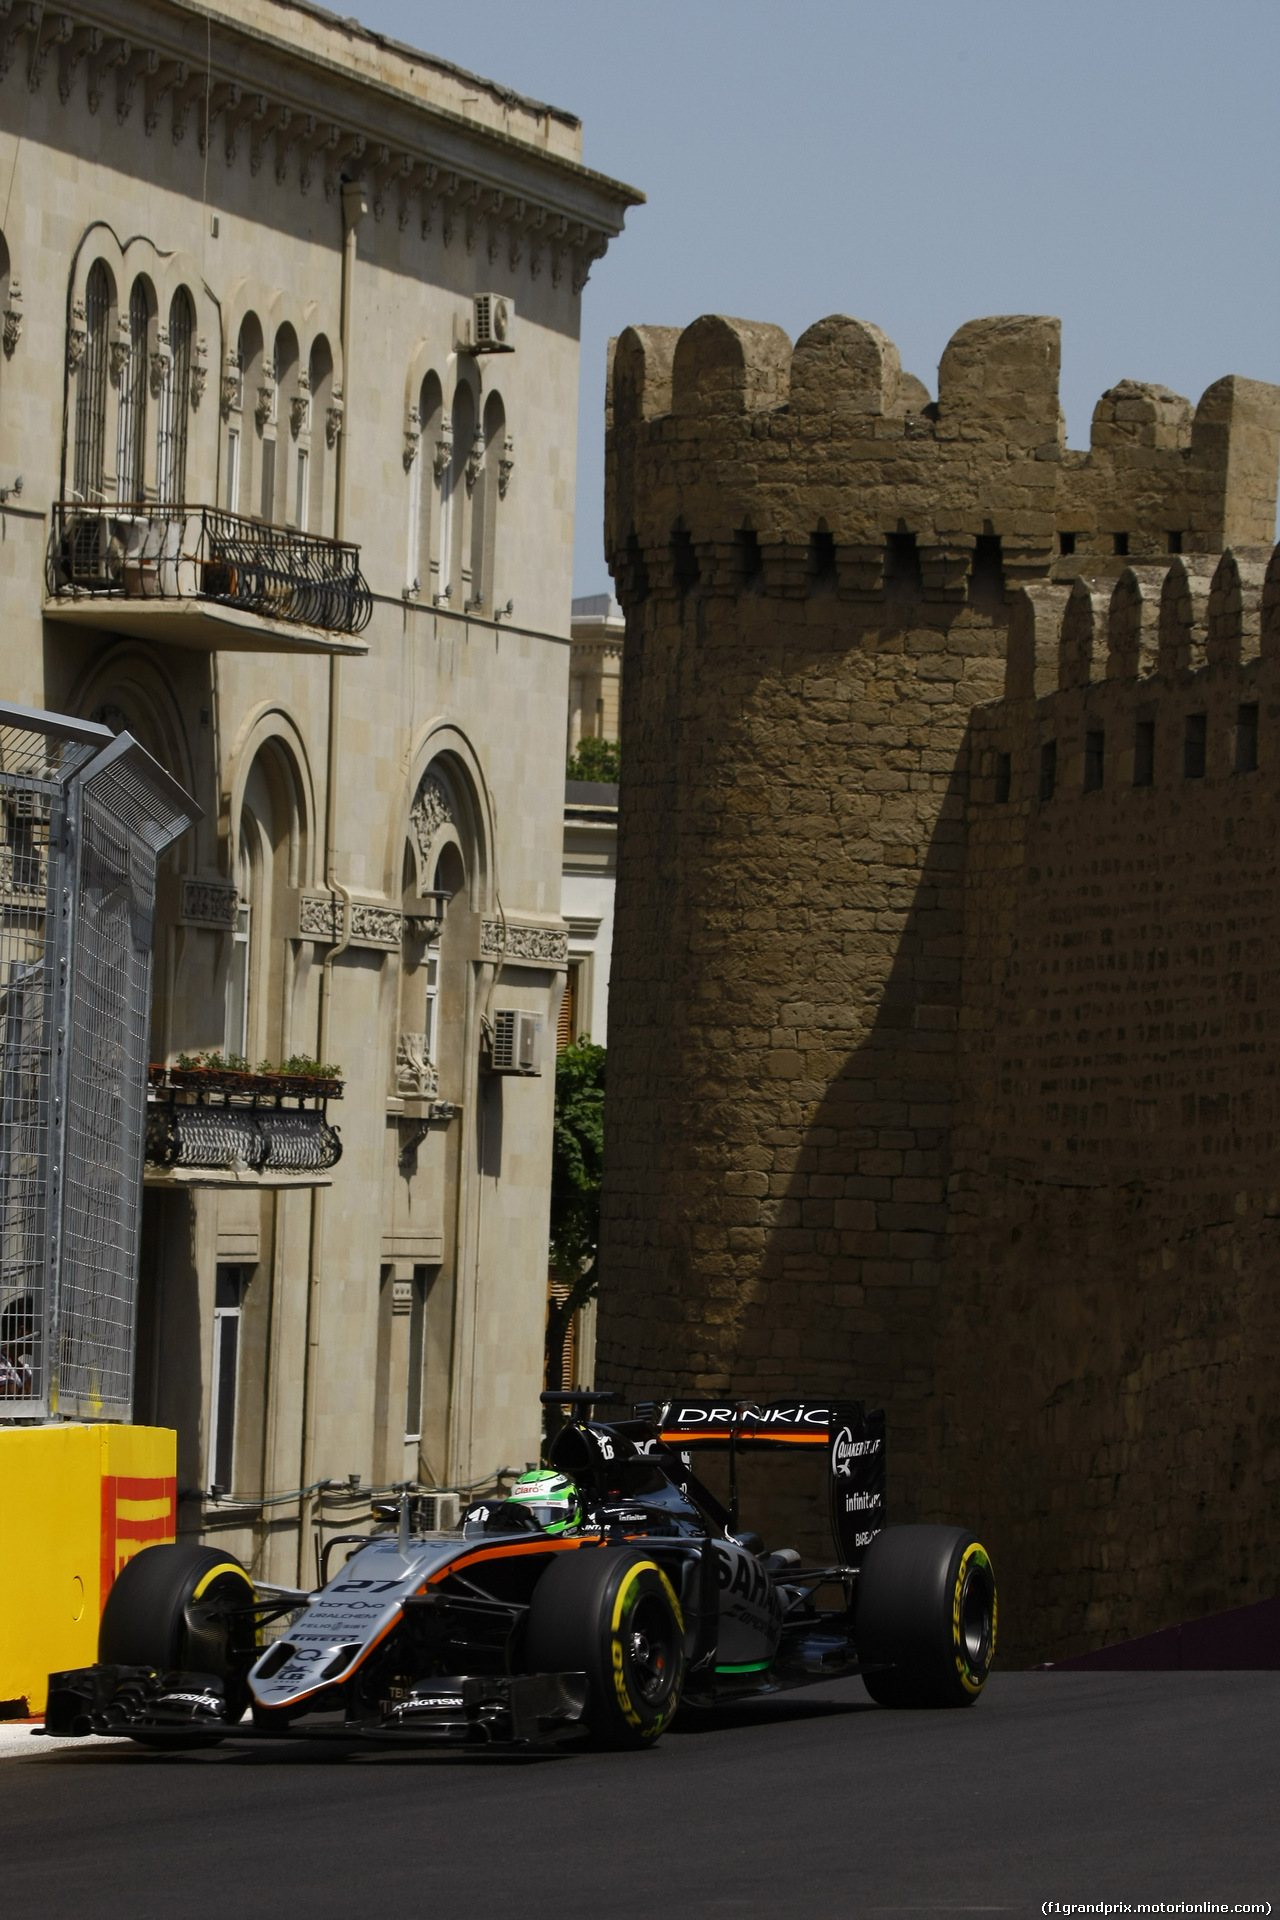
(110, 1004)
(33, 769)
(81, 821)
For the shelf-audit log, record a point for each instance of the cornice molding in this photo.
(294, 114)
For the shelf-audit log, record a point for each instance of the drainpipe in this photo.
(354, 208)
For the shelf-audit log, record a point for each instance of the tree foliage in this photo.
(594, 760)
(577, 1164)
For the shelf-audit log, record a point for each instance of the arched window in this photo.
(131, 430)
(175, 398)
(455, 583)
(91, 387)
(10, 310)
(242, 437)
(484, 508)
(424, 567)
(276, 477)
(320, 476)
(270, 857)
(447, 984)
(238, 973)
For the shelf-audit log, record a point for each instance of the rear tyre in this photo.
(161, 1613)
(926, 1617)
(612, 1614)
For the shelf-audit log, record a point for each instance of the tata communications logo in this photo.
(846, 1450)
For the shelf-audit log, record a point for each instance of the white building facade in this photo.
(289, 374)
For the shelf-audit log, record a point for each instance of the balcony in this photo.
(226, 1128)
(198, 577)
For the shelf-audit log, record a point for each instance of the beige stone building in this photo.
(944, 1011)
(287, 425)
(597, 631)
(591, 818)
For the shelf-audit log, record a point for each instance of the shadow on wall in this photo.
(853, 1282)
(1034, 1213)
(1070, 1335)
(489, 1131)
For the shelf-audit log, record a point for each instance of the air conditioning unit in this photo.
(495, 319)
(440, 1512)
(85, 552)
(516, 1046)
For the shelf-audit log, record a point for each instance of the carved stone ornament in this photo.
(444, 454)
(161, 362)
(299, 413)
(12, 319)
(319, 917)
(266, 403)
(412, 438)
(121, 352)
(506, 466)
(76, 337)
(545, 946)
(333, 421)
(475, 460)
(415, 1075)
(373, 926)
(199, 372)
(430, 811)
(232, 379)
(209, 903)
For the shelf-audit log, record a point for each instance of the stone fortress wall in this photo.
(941, 1038)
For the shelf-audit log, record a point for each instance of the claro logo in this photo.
(845, 1450)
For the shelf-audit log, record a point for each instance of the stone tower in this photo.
(858, 676)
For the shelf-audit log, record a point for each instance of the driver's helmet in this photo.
(551, 1498)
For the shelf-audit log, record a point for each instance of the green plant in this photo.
(308, 1067)
(595, 760)
(213, 1060)
(577, 1165)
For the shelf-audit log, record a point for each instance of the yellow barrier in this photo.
(76, 1502)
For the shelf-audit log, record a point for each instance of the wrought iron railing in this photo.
(241, 1122)
(151, 552)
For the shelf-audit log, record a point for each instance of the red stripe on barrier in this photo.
(129, 1530)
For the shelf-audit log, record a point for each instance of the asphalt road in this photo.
(1067, 1787)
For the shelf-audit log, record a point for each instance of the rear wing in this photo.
(851, 1438)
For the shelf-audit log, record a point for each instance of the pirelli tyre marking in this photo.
(617, 1652)
(215, 1573)
(974, 1651)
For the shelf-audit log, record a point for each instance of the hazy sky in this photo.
(916, 164)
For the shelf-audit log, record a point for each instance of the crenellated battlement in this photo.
(1193, 643)
(830, 451)
(1153, 624)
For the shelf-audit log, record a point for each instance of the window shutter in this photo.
(568, 1011)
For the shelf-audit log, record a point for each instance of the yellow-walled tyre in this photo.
(611, 1613)
(925, 1620)
(164, 1612)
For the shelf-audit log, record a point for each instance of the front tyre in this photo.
(926, 1617)
(612, 1614)
(178, 1608)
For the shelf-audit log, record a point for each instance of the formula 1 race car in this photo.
(594, 1599)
